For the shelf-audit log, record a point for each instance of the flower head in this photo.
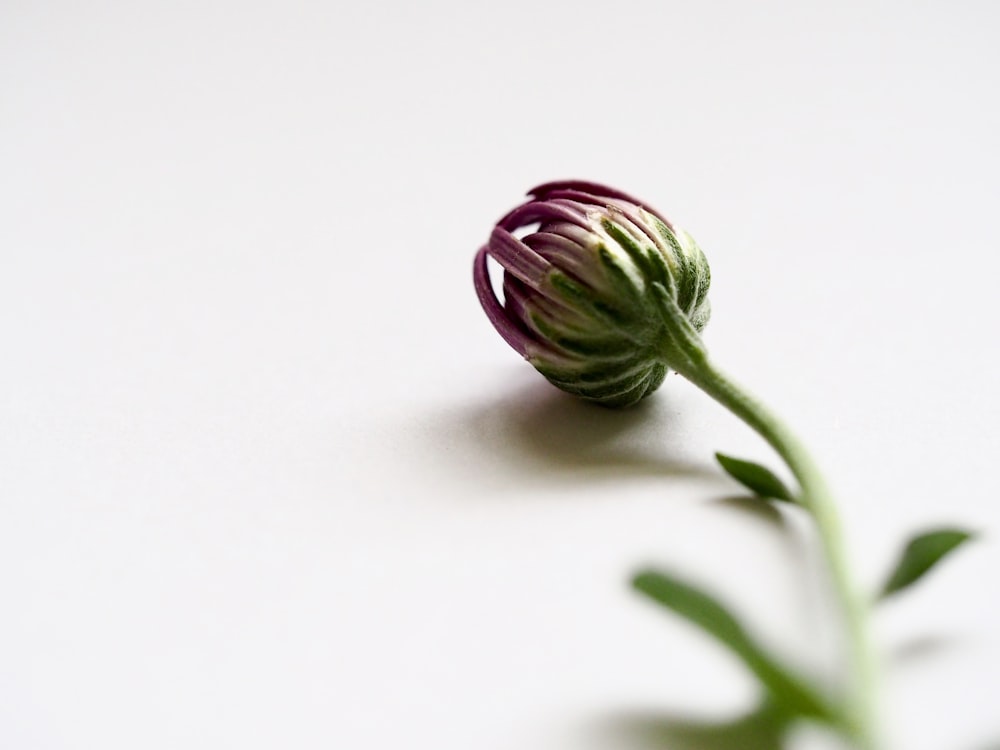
(582, 288)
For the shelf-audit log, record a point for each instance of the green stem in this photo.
(686, 354)
(817, 500)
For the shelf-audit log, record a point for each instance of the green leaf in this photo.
(784, 688)
(756, 478)
(922, 553)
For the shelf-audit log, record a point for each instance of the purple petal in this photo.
(566, 254)
(541, 211)
(510, 332)
(596, 193)
(517, 258)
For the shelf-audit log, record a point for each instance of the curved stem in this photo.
(684, 351)
(816, 498)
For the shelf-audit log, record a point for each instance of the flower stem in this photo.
(815, 498)
(684, 351)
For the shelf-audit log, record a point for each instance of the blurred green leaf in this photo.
(785, 689)
(758, 479)
(763, 729)
(922, 553)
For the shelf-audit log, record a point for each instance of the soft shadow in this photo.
(754, 508)
(922, 647)
(538, 428)
(763, 729)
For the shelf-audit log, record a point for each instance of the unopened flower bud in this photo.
(582, 292)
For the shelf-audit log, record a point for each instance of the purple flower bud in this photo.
(582, 265)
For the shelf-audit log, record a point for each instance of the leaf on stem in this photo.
(784, 688)
(756, 478)
(922, 553)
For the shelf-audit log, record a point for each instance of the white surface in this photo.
(268, 477)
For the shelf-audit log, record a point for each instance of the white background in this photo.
(268, 479)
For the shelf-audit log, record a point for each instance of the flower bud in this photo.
(583, 282)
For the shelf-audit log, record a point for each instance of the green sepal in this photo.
(682, 348)
(920, 555)
(639, 256)
(758, 479)
(783, 687)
